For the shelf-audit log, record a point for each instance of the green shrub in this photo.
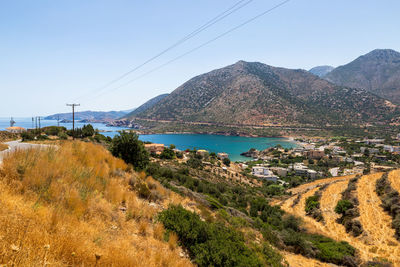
(226, 161)
(342, 206)
(209, 244)
(127, 146)
(167, 153)
(62, 136)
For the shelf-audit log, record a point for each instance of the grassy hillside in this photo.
(75, 204)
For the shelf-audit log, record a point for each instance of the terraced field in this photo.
(296, 260)
(378, 239)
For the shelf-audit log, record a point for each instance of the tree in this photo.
(87, 130)
(127, 146)
(226, 161)
(168, 153)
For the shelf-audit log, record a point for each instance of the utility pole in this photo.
(33, 123)
(39, 124)
(58, 120)
(73, 117)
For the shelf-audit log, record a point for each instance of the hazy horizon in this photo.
(54, 53)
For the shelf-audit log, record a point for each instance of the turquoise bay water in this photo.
(233, 145)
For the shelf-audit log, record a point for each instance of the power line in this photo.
(237, 6)
(198, 47)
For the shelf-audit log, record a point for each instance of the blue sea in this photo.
(233, 145)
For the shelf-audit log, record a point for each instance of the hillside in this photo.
(90, 116)
(149, 104)
(378, 239)
(74, 204)
(378, 72)
(258, 94)
(321, 71)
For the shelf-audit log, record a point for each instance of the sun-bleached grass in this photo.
(3, 147)
(73, 206)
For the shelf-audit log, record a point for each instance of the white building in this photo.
(264, 173)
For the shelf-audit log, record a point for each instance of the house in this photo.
(15, 129)
(154, 148)
(312, 174)
(334, 171)
(370, 150)
(280, 171)
(222, 155)
(243, 166)
(374, 141)
(264, 173)
(202, 152)
(314, 154)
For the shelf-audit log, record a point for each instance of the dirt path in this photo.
(375, 221)
(296, 260)
(394, 179)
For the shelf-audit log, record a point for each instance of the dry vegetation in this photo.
(78, 205)
(7, 136)
(296, 260)
(394, 179)
(377, 241)
(3, 147)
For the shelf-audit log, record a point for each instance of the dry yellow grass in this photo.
(376, 242)
(304, 187)
(3, 147)
(394, 179)
(375, 221)
(296, 260)
(66, 207)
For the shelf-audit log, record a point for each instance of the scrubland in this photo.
(75, 204)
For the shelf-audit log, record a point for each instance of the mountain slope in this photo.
(89, 115)
(258, 94)
(321, 71)
(377, 72)
(151, 103)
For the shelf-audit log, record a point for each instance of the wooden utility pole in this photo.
(73, 118)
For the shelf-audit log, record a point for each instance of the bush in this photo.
(27, 136)
(127, 146)
(62, 136)
(342, 206)
(209, 244)
(167, 153)
(195, 163)
(226, 161)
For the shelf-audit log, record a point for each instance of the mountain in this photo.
(149, 104)
(377, 72)
(90, 116)
(258, 94)
(321, 71)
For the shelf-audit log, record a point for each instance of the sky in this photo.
(68, 51)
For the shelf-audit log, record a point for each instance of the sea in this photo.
(233, 145)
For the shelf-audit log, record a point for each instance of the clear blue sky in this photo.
(53, 52)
